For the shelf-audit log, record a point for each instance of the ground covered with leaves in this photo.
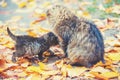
(27, 17)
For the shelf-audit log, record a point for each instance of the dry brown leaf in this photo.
(4, 75)
(2, 63)
(42, 17)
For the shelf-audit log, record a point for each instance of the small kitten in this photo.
(31, 46)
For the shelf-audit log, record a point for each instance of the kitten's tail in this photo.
(11, 34)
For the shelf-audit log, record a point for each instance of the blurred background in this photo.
(30, 13)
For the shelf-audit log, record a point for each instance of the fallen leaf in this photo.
(2, 62)
(34, 69)
(3, 75)
(99, 76)
(77, 71)
(109, 10)
(31, 33)
(25, 64)
(57, 78)
(100, 69)
(22, 4)
(21, 74)
(31, 4)
(43, 30)
(86, 14)
(35, 77)
(114, 56)
(111, 42)
(116, 9)
(46, 4)
(50, 73)
(110, 74)
(9, 45)
(39, 20)
(43, 66)
(4, 4)
(64, 69)
(16, 18)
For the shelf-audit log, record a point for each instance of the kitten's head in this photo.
(51, 39)
(58, 13)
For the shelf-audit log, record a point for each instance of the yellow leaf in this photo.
(35, 77)
(34, 69)
(114, 42)
(16, 18)
(99, 76)
(100, 69)
(31, 0)
(107, 1)
(22, 4)
(48, 73)
(107, 63)
(109, 10)
(43, 30)
(86, 14)
(58, 77)
(31, 4)
(72, 72)
(114, 56)
(110, 74)
(59, 63)
(44, 77)
(4, 4)
(9, 45)
(25, 64)
(31, 33)
(42, 66)
(64, 71)
(116, 9)
(22, 79)
(46, 4)
(23, 74)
